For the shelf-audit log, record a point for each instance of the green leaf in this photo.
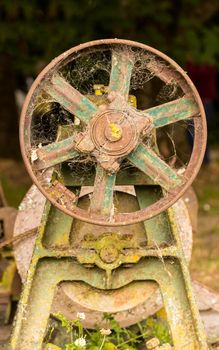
(109, 346)
(64, 321)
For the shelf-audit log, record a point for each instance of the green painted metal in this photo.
(121, 71)
(48, 274)
(102, 197)
(107, 252)
(171, 112)
(55, 259)
(57, 229)
(150, 163)
(55, 153)
(123, 177)
(182, 312)
(157, 228)
(51, 264)
(70, 98)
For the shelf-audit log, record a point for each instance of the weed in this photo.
(113, 336)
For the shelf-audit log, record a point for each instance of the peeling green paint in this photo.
(102, 197)
(171, 112)
(121, 71)
(152, 165)
(71, 99)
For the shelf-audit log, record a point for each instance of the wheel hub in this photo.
(113, 133)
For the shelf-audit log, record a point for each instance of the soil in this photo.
(205, 258)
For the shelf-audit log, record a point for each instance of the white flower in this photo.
(104, 331)
(81, 315)
(80, 342)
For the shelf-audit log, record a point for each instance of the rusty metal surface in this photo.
(55, 263)
(112, 134)
(189, 106)
(130, 305)
(128, 270)
(29, 216)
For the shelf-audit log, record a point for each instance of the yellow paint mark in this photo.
(133, 101)
(116, 131)
(133, 259)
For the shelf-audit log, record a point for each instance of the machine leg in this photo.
(36, 300)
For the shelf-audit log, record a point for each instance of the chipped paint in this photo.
(162, 263)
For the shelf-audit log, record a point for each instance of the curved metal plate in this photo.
(129, 304)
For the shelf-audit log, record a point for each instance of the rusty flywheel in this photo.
(109, 131)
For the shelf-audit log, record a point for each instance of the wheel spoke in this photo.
(171, 112)
(54, 153)
(102, 197)
(62, 195)
(149, 162)
(121, 71)
(70, 98)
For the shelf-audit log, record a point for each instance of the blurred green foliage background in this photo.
(32, 32)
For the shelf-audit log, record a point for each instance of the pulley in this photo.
(100, 132)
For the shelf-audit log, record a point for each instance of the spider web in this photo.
(91, 67)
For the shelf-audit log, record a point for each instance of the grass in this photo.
(205, 258)
(14, 192)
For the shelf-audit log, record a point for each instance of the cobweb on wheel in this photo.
(91, 68)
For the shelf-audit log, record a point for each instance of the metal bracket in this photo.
(163, 263)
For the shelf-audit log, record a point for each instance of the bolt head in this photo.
(109, 254)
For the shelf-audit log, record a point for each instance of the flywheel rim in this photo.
(165, 202)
